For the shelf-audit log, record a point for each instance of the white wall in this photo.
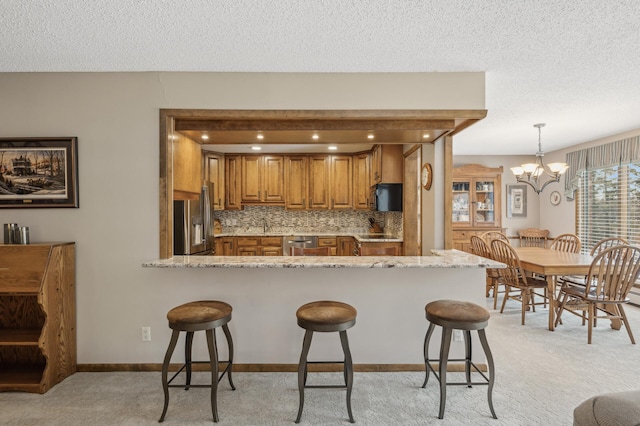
(115, 117)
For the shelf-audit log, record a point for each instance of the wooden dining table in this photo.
(552, 264)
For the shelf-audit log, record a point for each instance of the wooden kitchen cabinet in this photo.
(37, 316)
(386, 164)
(380, 244)
(187, 173)
(341, 182)
(476, 203)
(232, 182)
(331, 242)
(296, 173)
(346, 246)
(252, 246)
(214, 171)
(225, 246)
(331, 182)
(262, 179)
(361, 181)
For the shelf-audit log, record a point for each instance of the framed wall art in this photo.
(38, 172)
(516, 200)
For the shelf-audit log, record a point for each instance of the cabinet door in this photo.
(215, 172)
(232, 182)
(272, 182)
(187, 177)
(361, 185)
(341, 182)
(376, 165)
(485, 206)
(228, 247)
(319, 182)
(251, 175)
(296, 171)
(346, 245)
(462, 198)
(271, 251)
(248, 251)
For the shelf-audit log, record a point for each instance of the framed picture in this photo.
(516, 201)
(38, 172)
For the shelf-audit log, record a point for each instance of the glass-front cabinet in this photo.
(475, 203)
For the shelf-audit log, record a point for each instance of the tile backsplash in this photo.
(279, 220)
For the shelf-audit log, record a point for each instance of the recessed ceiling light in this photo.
(315, 136)
(425, 136)
(256, 148)
(332, 148)
(205, 137)
(370, 136)
(260, 136)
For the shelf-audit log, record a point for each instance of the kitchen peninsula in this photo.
(389, 293)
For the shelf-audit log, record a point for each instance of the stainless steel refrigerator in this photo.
(193, 225)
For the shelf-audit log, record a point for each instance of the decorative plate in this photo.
(555, 198)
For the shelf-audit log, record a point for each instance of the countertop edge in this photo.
(451, 259)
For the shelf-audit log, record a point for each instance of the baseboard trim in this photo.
(276, 368)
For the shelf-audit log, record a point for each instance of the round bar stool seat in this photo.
(457, 315)
(326, 316)
(204, 315)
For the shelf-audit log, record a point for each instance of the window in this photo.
(608, 203)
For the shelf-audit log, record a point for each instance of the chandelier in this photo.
(530, 173)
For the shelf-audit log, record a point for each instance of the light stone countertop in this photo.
(441, 259)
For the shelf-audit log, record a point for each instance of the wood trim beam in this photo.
(311, 125)
(448, 195)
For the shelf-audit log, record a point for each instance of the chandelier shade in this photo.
(531, 173)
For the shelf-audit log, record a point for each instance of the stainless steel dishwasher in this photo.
(297, 241)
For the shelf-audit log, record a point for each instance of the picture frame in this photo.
(39, 172)
(516, 201)
(426, 176)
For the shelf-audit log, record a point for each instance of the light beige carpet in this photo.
(541, 377)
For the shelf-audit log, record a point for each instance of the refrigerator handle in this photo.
(206, 213)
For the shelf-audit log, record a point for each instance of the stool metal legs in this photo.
(303, 368)
(187, 367)
(441, 376)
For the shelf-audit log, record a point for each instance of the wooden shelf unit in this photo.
(37, 316)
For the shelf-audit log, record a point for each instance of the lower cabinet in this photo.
(249, 246)
(37, 316)
(360, 245)
(346, 246)
(462, 237)
(331, 242)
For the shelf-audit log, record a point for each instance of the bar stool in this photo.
(456, 315)
(190, 317)
(325, 316)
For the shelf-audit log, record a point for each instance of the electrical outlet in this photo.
(146, 334)
(457, 335)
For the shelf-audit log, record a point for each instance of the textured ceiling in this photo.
(574, 65)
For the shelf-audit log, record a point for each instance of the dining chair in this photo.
(479, 247)
(599, 247)
(494, 235)
(307, 251)
(569, 243)
(611, 275)
(533, 237)
(378, 251)
(513, 277)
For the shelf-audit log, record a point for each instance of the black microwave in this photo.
(386, 197)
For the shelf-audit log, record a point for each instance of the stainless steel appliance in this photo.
(193, 225)
(386, 197)
(297, 241)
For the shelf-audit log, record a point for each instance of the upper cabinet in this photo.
(232, 180)
(341, 185)
(214, 171)
(386, 164)
(262, 180)
(296, 182)
(476, 202)
(187, 170)
(361, 180)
